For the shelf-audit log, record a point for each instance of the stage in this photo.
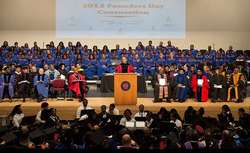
(67, 109)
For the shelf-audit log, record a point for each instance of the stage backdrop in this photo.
(120, 18)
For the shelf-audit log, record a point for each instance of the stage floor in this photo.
(67, 109)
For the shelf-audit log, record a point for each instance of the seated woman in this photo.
(17, 116)
(161, 87)
(124, 67)
(127, 117)
(77, 84)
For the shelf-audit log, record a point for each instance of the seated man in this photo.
(237, 86)
(7, 82)
(41, 83)
(124, 67)
(141, 112)
(77, 84)
(24, 83)
(83, 106)
(218, 86)
(112, 110)
(161, 86)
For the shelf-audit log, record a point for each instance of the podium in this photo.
(125, 88)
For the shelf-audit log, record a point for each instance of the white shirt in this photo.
(124, 120)
(17, 119)
(38, 117)
(177, 123)
(79, 110)
(141, 114)
(115, 112)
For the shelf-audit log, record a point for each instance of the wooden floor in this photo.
(66, 109)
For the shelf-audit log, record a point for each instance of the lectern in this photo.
(125, 88)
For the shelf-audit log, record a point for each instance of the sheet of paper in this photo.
(162, 82)
(200, 82)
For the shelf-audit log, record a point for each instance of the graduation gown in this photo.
(181, 92)
(119, 69)
(218, 86)
(235, 87)
(201, 93)
(42, 87)
(161, 91)
(23, 82)
(74, 84)
(7, 81)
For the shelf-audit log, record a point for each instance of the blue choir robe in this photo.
(170, 48)
(26, 50)
(49, 61)
(41, 83)
(5, 51)
(192, 61)
(209, 58)
(149, 67)
(182, 61)
(199, 58)
(9, 81)
(181, 92)
(103, 66)
(66, 62)
(23, 61)
(91, 68)
(230, 56)
(194, 52)
(137, 64)
(150, 47)
(160, 61)
(37, 61)
(85, 54)
(170, 61)
(219, 59)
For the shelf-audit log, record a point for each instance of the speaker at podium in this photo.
(125, 88)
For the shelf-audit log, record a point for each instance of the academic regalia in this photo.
(77, 84)
(181, 92)
(234, 84)
(201, 91)
(124, 68)
(218, 86)
(42, 87)
(23, 85)
(7, 83)
(161, 91)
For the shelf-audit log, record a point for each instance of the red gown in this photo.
(204, 90)
(118, 69)
(74, 86)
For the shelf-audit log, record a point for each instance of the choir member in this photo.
(235, 88)
(218, 86)
(7, 84)
(104, 66)
(77, 84)
(136, 62)
(181, 82)
(41, 83)
(148, 66)
(161, 86)
(124, 67)
(23, 84)
(200, 86)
